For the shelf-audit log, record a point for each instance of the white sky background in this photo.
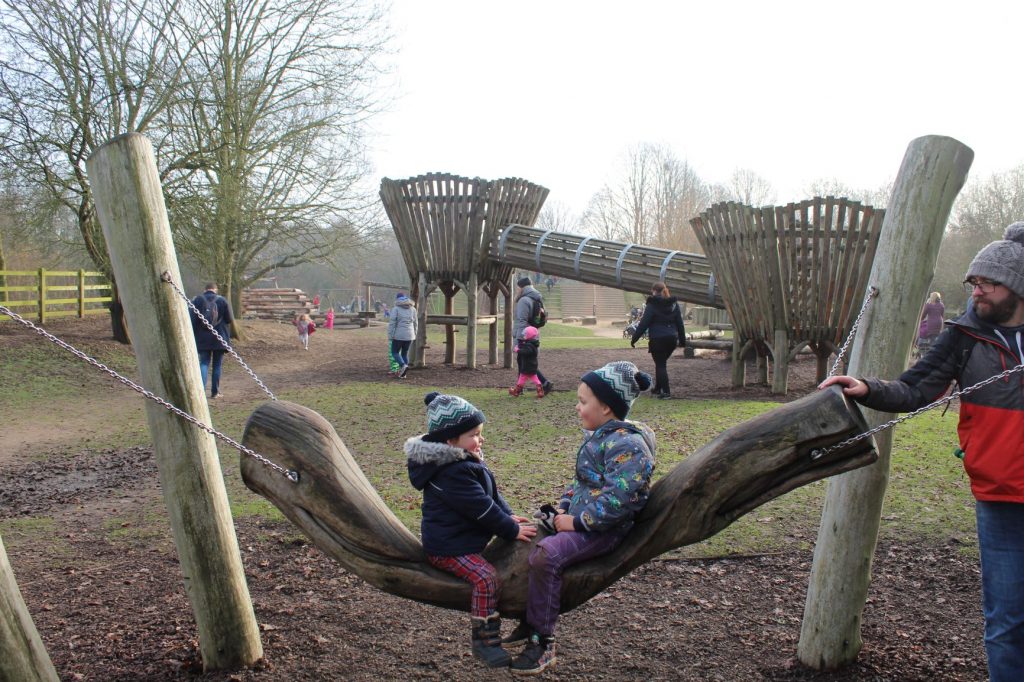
(555, 91)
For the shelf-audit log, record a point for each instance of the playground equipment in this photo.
(445, 224)
(744, 467)
(791, 276)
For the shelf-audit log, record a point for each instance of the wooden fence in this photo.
(46, 294)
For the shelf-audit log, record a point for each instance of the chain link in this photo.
(292, 476)
(166, 277)
(872, 292)
(817, 453)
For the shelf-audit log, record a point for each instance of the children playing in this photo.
(462, 511)
(529, 349)
(613, 478)
(304, 325)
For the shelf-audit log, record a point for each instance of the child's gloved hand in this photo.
(546, 517)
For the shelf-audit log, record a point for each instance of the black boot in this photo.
(487, 641)
(520, 634)
(538, 655)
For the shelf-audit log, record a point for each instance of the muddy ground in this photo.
(112, 608)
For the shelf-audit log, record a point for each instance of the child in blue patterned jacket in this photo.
(613, 480)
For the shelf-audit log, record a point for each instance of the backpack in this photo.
(310, 328)
(538, 316)
(209, 308)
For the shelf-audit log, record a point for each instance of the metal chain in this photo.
(817, 453)
(292, 476)
(872, 292)
(166, 277)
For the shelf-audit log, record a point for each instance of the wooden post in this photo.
(472, 291)
(739, 360)
(22, 654)
(42, 295)
(509, 310)
(449, 330)
(81, 293)
(933, 172)
(418, 353)
(492, 330)
(780, 368)
(130, 206)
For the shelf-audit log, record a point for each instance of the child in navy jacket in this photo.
(463, 510)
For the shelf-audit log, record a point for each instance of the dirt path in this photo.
(97, 568)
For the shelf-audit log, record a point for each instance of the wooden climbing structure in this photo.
(632, 267)
(445, 225)
(791, 276)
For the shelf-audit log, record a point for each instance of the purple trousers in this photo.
(548, 559)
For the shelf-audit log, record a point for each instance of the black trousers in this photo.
(661, 350)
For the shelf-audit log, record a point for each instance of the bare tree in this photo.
(651, 203)
(981, 213)
(558, 217)
(745, 187)
(276, 132)
(824, 187)
(72, 76)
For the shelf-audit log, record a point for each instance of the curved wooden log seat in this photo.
(339, 510)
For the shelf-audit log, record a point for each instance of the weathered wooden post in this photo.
(472, 293)
(130, 207)
(933, 172)
(23, 657)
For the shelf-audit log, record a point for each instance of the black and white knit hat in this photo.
(449, 416)
(617, 385)
(1003, 261)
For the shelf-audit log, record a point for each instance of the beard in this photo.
(998, 313)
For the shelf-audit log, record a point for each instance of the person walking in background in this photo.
(522, 313)
(304, 326)
(528, 350)
(402, 332)
(931, 321)
(987, 340)
(663, 322)
(216, 310)
(329, 319)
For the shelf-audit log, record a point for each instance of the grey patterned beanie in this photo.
(1003, 261)
(449, 416)
(617, 385)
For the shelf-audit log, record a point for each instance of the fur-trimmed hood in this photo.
(425, 458)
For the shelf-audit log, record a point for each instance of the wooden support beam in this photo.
(22, 654)
(130, 207)
(472, 291)
(933, 171)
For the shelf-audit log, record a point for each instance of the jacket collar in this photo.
(420, 451)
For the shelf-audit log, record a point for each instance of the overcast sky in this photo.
(555, 91)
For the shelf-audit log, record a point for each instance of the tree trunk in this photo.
(23, 657)
(131, 209)
(337, 507)
(933, 171)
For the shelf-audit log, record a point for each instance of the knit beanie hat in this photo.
(617, 385)
(449, 416)
(1003, 261)
(530, 333)
(523, 282)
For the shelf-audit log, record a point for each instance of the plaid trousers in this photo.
(475, 570)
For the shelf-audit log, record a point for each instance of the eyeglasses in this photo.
(986, 287)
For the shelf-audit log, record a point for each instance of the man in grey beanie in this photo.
(521, 320)
(982, 343)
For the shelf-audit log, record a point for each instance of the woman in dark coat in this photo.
(663, 322)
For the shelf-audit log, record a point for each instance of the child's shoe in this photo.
(515, 391)
(538, 655)
(548, 387)
(487, 641)
(520, 634)
(541, 392)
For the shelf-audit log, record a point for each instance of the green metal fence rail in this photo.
(47, 294)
